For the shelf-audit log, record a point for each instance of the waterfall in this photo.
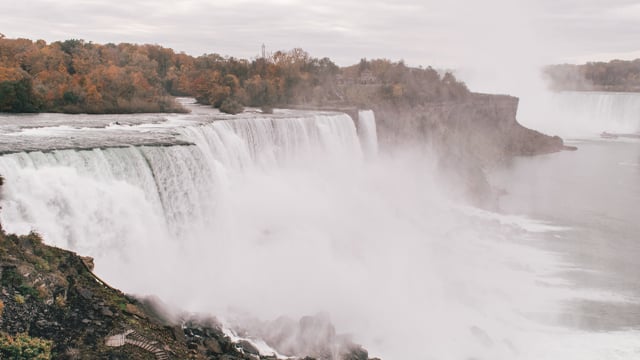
(101, 201)
(281, 215)
(582, 114)
(367, 132)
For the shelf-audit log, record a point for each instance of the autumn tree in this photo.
(79, 76)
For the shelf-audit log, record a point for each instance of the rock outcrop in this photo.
(468, 137)
(310, 336)
(482, 127)
(50, 293)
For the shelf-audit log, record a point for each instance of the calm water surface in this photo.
(594, 195)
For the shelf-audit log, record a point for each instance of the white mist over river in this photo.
(299, 212)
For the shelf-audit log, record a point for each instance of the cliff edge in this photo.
(468, 136)
(481, 126)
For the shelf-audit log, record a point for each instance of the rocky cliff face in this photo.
(483, 127)
(468, 137)
(49, 293)
(50, 297)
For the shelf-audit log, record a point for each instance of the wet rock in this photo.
(228, 357)
(248, 347)
(354, 352)
(214, 333)
(212, 345)
(178, 333)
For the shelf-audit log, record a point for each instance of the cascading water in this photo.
(367, 132)
(105, 202)
(582, 114)
(284, 215)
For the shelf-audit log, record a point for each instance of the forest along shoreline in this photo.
(51, 304)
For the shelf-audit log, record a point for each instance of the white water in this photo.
(367, 132)
(285, 216)
(581, 114)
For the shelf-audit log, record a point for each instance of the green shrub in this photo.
(28, 290)
(22, 346)
(11, 278)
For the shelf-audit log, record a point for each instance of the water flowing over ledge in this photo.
(175, 185)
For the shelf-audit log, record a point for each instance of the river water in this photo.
(594, 194)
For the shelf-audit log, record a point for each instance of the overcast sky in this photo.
(447, 33)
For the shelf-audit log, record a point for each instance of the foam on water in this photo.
(522, 222)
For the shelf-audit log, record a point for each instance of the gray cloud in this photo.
(456, 33)
(420, 31)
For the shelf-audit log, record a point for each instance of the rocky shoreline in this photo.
(50, 296)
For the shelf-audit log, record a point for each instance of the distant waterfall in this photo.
(578, 114)
(367, 132)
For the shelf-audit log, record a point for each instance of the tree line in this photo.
(74, 76)
(615, 75)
